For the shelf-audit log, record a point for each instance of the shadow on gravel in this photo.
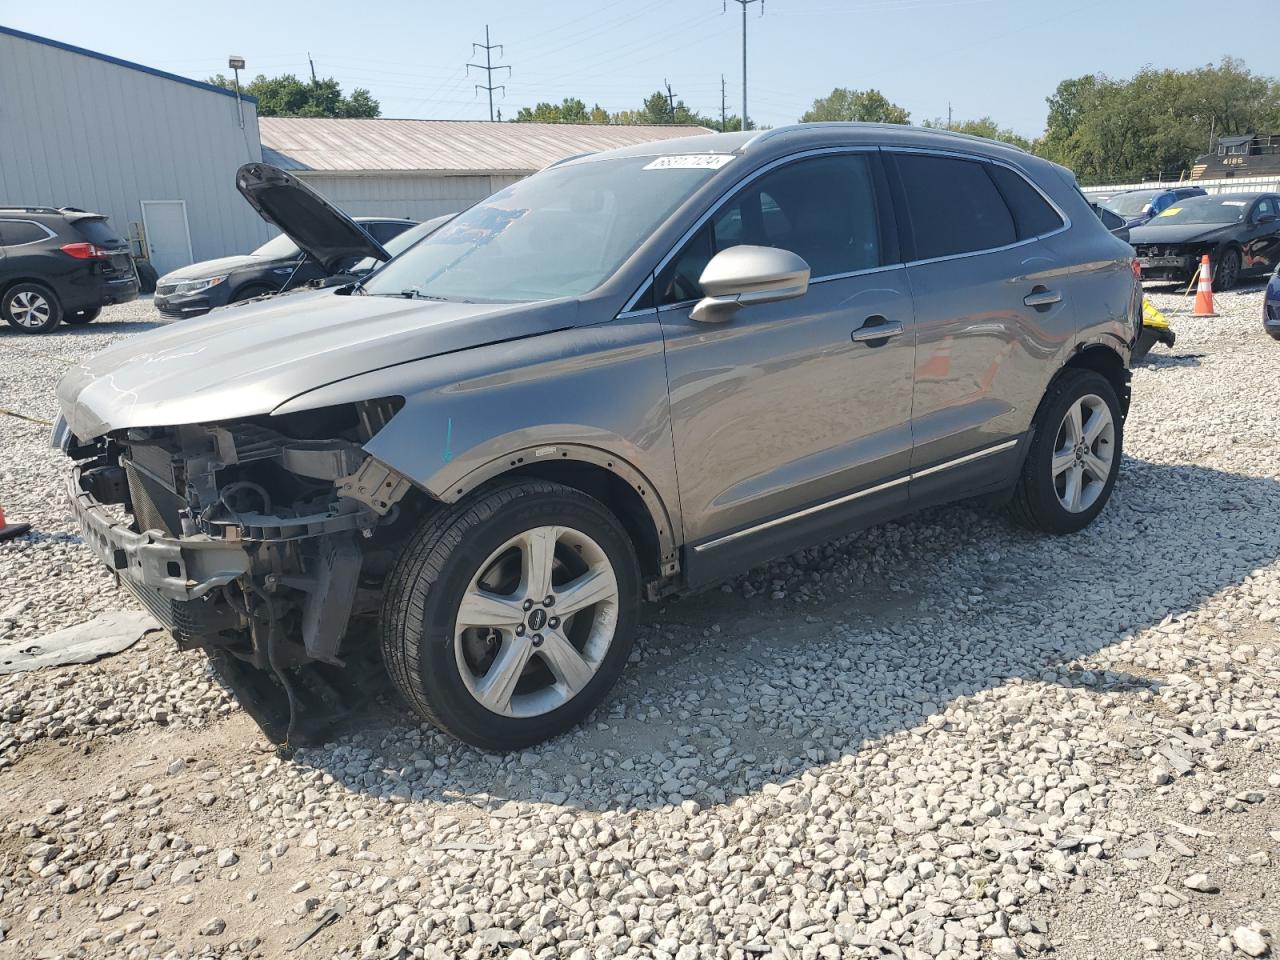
(876, 633)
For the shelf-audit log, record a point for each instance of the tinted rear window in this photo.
(96, 231)
(952, 206)
(1032, 214)
(14, 232)
(384, 230)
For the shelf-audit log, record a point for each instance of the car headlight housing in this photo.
(198, 286)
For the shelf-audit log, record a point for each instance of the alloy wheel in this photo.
(1083, 453)
(29, 309)
(536, 621)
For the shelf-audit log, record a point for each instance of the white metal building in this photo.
(423, 168)
(153, 151)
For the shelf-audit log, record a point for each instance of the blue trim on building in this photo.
(107, 58)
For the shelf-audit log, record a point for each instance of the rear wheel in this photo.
(1071, 466)
(80, 317)
(31, 308)
(508, 618)
(1226, 271)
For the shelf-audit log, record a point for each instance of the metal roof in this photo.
(128, 64)
(454, 147)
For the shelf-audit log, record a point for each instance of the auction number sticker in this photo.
(1171, 211)
(690, 161)
(1233, 203)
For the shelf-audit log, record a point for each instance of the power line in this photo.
(744, 4)
(488, 67)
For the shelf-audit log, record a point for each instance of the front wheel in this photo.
(508, 617)
(1226, 271)
(31, 308)
(1074, 457)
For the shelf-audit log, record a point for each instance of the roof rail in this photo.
(764, 135)
(21, 209)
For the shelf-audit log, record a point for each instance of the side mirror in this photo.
(744, 275)
(1267, 218)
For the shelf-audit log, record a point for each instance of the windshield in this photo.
(1131, 204)
(402, 242)
(278, 248)
(560, 233)
(1218, 209)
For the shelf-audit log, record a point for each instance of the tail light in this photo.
(85, 251)
(1136, 268)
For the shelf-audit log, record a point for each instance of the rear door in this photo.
(789, 420)
(990, 310)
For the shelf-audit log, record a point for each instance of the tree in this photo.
(287, 96)
(571, 110)
(1156, 122)
(844, 104)
(982, 127)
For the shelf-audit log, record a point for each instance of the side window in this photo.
(15, 232)
(384, 230)
(952, 205)
(1032, 214)
(823, 209)
(1265, 206)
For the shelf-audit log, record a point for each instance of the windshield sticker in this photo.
(1171, 211)
(690, 161)
(1233, 203)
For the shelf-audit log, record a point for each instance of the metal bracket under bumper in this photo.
(181, 569)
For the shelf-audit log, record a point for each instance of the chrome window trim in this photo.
(980, 158)
(49, 234)
(949, 153)
(724, 198)
(849, 497)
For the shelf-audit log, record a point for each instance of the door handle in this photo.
(1042, 297)
(876, 328)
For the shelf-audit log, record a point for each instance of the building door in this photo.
(168, 236)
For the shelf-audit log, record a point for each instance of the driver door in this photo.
(790, 422)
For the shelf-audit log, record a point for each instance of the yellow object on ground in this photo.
(1151, 317)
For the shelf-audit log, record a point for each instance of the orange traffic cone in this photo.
(10, 530)
(1204, 292)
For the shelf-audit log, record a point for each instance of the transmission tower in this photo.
(488, 67)
(744, 4)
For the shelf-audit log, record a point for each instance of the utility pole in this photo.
(724, 114)
(671, 100)
(948, 114)
(312, 63)
(744, 4)
(488, 67)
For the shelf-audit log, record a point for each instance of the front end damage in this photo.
(261, 540)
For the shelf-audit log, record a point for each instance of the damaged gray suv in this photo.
(632, 374)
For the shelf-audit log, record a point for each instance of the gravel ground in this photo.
(942, 738)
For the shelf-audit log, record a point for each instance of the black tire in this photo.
(1035, 503)
(81, 317)
(31, 307)
(1226, 270)
(250, 291)
(434, 571)
(147, 276)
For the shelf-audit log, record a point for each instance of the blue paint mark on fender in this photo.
(447, 455)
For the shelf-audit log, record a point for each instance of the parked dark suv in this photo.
(632, 374)
(278, 265)
(60, 264)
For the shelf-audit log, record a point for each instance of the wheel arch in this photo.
(7, 285)
(1102, 358)
(599, 474)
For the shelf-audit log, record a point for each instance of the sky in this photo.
(983, 57)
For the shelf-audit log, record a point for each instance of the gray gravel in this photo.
(942, 738)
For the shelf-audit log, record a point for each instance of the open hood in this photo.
(321, 230)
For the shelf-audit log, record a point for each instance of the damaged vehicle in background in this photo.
(1239, 231)
(817, 328)
(308, 250)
